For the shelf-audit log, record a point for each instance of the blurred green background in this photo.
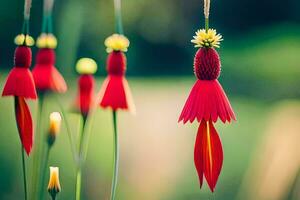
(260, 73)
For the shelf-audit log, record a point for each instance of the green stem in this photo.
(38, 148)
(24, 173)
(78, 183)
(118, 16)
(116, 158)
(80, 160)
(43, 175)
(206, 24)
(64, 116)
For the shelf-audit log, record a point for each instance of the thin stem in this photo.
(116, 158)
(78, 184)
(38, 147)
(80, 160)
(43, 175)
(206, 24)
(118, 16)
(64, 116)
(24, 173)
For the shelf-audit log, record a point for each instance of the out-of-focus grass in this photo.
(156, 152)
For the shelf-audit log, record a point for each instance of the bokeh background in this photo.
(260, 73)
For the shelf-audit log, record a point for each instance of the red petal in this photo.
(208, 154)
(24, 123)
(115, 93)
(85, 96)
(207, 101)
(20, 83)
(46, 76)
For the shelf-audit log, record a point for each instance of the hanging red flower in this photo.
(45, 74)
(115, 92)
(86, 67)
(207, 102)
(20, 84)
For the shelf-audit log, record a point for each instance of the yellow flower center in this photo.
(22, 39)
(207, 39)
(46, 41)
(116, 42)
(86, 66)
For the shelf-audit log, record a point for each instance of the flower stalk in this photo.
(116, 158)
(24, 173)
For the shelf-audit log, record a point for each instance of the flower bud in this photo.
(54, 185)
(86, 66)
(54, 127)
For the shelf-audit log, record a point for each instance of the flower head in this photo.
(55, 123)
(116, 42)
(86, 66)
(22, 39)
(207, 39)
(54, 184)
(46, 41)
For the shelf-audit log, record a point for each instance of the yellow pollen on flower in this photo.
(20, 40)
(116, 42)
(46, 41)
(55, 123)
(54, 184)
(86, 66)
(207, 39)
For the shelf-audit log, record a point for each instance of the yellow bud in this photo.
(86, 66)
(54, 184)
(19, 40)
(55, 123)
(116, 42)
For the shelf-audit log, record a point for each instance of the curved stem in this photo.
(24, 173)
(44, 171)
(116, 158)
(80, 160)
(64, 116)
(118, 16)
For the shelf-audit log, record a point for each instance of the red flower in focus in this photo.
(86, 83)
(46, 76)
(20, 84)
(115, 92)
(207, 102)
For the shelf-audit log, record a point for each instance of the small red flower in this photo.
(115, 92)
(85, 98)
(46, 76)
(20, 84)
(207, 102)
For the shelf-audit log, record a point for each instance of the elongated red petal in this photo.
(24, 123)
(208, 154)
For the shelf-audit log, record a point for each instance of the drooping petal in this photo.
(46, 76)
(208, 99)
(85, 95)
(115, 93)
(208, 154)
(24, 123)
(20, 83)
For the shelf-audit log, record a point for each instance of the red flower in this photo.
(46, 76)
(115, 92)
(85, 98)
(207, 102)
(21, 85)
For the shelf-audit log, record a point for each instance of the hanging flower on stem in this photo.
(20, 85)
(207, 102)
(115, 92)
(86, 67)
